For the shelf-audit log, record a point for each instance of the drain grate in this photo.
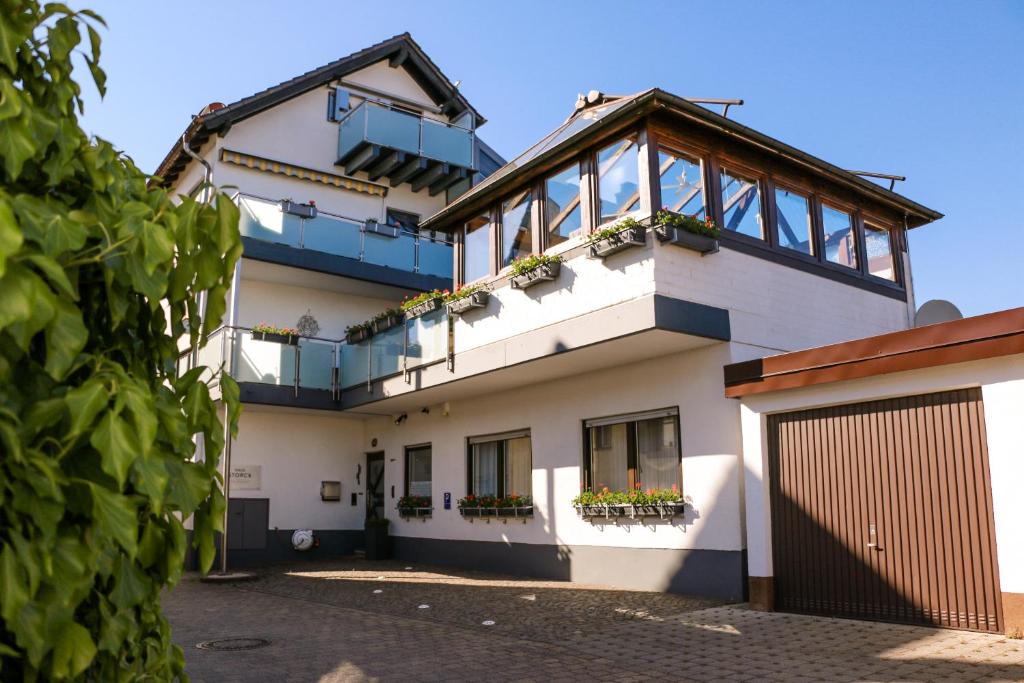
(233, 644)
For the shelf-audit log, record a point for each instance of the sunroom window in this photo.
(840, 237)
(618, 179)
(682, 183)
(741, 204)
(878, 245)
(562, 214)
(500, 465)
(418, 471)
(476, 249)
(793, 226)
(634, 451)
(516, 227)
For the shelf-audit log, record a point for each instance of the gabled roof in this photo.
(401, 50)
(590, 122)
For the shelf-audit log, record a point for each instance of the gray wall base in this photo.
(278, 549)
(709, 573)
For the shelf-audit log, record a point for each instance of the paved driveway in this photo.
(361, 621)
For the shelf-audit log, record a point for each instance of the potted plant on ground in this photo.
(618, 237)
(653, 502)
(378, 544)
(688, 232)
(465, 299)
(385, 320)
(357, 333)
(280, 335)
(532, 270)
(424, 303)
(415, 506)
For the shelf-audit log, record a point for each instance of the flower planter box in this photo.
(467, 303)
(297, 209)
(428, 306)
(384, 324)
(523, 512)
(620, 241)
(383, 229)
(629, 511)
(415, 513)
(287, 339)
(546, 272)
(358, 336)
(686, 239)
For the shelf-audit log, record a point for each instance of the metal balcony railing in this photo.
(382, 124)
(389, 246)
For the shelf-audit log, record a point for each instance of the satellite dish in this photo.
(936, 311)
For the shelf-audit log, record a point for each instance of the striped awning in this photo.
(271, 166)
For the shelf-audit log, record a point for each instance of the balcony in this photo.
(344, 246)
(404, 147)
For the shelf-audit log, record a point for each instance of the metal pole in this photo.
(232, 324)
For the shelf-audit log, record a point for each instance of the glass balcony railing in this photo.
(398, 248)
(380, 124)
(323, 364)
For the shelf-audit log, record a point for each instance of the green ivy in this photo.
(99, 272)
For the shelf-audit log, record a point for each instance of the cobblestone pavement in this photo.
(329, 623)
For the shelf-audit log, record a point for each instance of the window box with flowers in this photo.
(638, 503)
(532, 270)
(465, 299)
(385, 320)
(618, 237)
(415, 507)
(689, 232)
(512, 506)
(360, 332)
(424, 303)
(279, 335)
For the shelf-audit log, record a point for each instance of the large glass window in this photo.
(476, 249)
(878, 245)
(409, 222)
(840, 237)
(516, 227)
(682, 183)
(418, 471)
(501, 465)
(741, 204)
(618, 179)
(793, 226)
(562, 214)
(636, 451)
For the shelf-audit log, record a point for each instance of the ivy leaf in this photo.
(74, 651)
(117, 444)
(130, 584)
(115, 516)
(85, 402)
(10, 235)
(65, 338)
(13, 584)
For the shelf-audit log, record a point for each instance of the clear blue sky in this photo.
(930, 90)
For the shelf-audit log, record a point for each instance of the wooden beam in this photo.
(429, 176)
(362, 159)
(387, 164)
(442, 184)
(398, 59)
(413, 167)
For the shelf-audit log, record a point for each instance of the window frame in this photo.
(896, 236)
(703, 158)
(498, 245)
(501, 438)
(765, 189)
(415, 447)
(812, 213)
(855, 225)
(587, 468)
(594, 173)
(463, 234)
(542, 195)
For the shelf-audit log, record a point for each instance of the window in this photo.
(682, 183)
(417, 471)
(618, 179)
(793, 228)
(501, 465)
(516, 228)
(476, 249)
(741, 204)
(408, 221)
(878, 249)
(840, 237)
(631, 451)
(562, 214)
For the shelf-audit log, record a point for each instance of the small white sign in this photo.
(246, 477)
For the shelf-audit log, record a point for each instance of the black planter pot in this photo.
(620, 241)
(378, 543)
(384, 324)
(467, 303)
(428, 306)
(686, 239)
(546, 272)
(357, 336)
(287, 339)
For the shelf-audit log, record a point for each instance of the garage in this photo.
(882, 510)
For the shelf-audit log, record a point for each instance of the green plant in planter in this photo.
(621, 226)
(525, 264)
(512, 500)
(423, 298)
(358, 327)
(636, 496)
(266, 328)
(706, 227)
(388, 313)
(464, 292)
(414, 502)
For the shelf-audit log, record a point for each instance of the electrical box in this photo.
(330, 491)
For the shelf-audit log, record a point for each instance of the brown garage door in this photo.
(882, 510)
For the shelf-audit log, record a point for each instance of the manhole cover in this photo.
(232, 644)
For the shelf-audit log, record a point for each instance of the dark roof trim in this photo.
(401, 50)
(957, 341)
(659, 100)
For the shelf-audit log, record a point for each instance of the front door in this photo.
(374, 485)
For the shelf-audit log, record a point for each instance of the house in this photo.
(588, 353)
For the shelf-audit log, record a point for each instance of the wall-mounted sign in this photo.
(447, 501)
(246, 477)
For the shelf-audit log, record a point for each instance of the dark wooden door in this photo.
(883, 510)
(375, 485)
(248, 522)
